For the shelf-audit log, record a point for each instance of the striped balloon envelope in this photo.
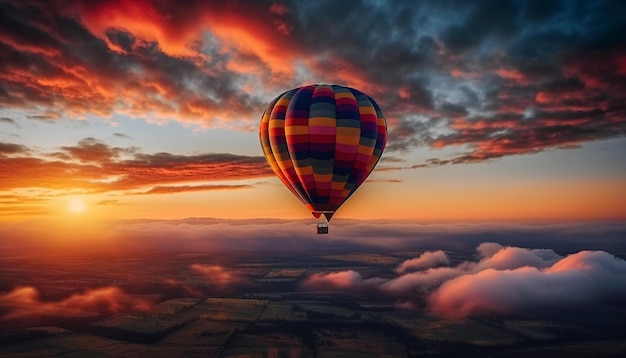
(322, 141)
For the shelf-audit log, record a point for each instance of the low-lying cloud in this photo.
(280, 235)
(504, 281)
(218, 275)
(575, 282)
(426, 260)
(24, 301)
(348, 279)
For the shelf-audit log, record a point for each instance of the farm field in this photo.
(254, 316)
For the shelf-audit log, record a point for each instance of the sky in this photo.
(496, 110)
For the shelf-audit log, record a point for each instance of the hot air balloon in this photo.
(322, 141)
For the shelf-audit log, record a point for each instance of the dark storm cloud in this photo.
(529, 75)
(498, 77)
(541, 10)
(485, 20)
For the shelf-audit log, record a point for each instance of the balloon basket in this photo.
(322, 223)
(322, 227)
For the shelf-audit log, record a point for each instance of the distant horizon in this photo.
(267, 235)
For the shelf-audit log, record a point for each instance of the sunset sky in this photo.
(496, 110)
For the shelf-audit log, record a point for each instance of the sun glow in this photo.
(76, 206)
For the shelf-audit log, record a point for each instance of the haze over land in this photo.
(245, 286)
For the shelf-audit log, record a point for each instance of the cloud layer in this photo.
(505, 281)
(276, 235)
(578, 282)
(25, 301)
(491, 78)
(426, 260)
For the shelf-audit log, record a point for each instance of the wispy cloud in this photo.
(94, 166)
(186, 188)
(8, 120)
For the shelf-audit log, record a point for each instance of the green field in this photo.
(230, 309)
(338, 343)
(274, 346)
(270, 315)
(282, 311)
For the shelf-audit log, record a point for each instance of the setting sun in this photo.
(76, 206)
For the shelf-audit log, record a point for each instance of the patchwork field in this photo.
(357, 343)
(268, 315)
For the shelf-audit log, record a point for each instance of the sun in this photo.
(76, 206)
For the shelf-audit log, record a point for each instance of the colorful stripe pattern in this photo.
(322, 141)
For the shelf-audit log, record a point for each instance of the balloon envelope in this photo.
(322, 141)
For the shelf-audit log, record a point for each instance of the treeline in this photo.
(13, 336)
(300, 329)
(311, 315)
(305, 330)
(118, 333)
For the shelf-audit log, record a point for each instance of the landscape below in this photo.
(164, 304)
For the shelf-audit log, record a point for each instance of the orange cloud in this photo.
(155, 60)
(455, 72)
(106, 299)
(94, 166)
(187, 188)
(512, 74)
(145, 20)
(179, 30)
(25, 301)
(342, 280)
(179, 286)
(217, 275)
